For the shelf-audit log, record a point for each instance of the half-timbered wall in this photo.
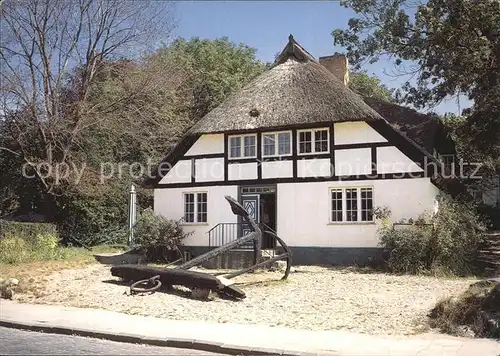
(358, 155)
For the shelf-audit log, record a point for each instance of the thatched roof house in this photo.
(307, 157)
(297, 90)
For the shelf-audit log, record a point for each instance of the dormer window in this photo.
(313, 141)
(243, 146)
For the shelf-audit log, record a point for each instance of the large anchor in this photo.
(150, 279)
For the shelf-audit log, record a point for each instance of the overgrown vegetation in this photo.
(477, 310)
(30, 232)
(106, 101)
(466, 64)
(157, 236)
(445, 242)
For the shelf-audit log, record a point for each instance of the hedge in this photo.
(27, 230)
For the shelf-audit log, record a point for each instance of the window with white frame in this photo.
(313, 141)
(276, 144)
(243, 146)
(351, 204)
(195, 207)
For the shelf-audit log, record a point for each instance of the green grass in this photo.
(32, 266)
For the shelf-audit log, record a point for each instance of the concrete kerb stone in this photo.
(165, 342)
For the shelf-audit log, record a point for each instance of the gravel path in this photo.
(313, 298)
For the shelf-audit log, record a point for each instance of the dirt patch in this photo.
(313, 298)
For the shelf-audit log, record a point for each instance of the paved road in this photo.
(20, 342)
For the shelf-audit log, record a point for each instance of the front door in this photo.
(251, 203)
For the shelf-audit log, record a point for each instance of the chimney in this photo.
(338, 65)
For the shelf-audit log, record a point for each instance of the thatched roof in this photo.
(425, 129)
(297, 90)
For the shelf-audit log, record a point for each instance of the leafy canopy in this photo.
(449, 47)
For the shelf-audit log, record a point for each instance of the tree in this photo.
(365, 85)
(47, 109)
(215, 69)
(450, 47)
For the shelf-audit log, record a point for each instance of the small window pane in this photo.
(201, 207)
(235, 147)
(337, 205)
(189, 207)
(351, 204)
(305, 143)
(269, 145)
(366, 204)
(249, 146)
(284, 140)
(321, 141)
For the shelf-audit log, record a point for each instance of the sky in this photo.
(266, 25)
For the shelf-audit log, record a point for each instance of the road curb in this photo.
(155, 341)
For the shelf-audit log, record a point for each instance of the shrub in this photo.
(477, 310)
(406, 249)
(14, 250)
(26, 230)
(157, 236)
(446, 241)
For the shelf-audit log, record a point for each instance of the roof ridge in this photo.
(294, 49)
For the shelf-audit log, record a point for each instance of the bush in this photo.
(157, 236)
(447, 241)
(15, 249)
(477, 310)
(28, 231)
(406, 249)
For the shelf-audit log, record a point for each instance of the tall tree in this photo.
(369, 86)
(46, 109)
(450, 47)
(215, 69)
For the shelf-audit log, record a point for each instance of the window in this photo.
(242, 146)
(448, 162)
(195, 207)
(313, 141)
(276, 144)
(351, 204)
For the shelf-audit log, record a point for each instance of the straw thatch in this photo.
(425, 129)
(296, 91)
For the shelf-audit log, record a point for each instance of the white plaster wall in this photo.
(180, 173)
(314, 167)
(207, 144)
(277, 169)
(353, 161)
(239, 171)
(304, 211)
(356, 132)
(169, 202)
(209, 169)
(392, 160)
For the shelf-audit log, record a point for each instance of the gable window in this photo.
(195, 207)
(313, 141)
(351, 204)
(448, 162)
(242, 146)
(276, 144)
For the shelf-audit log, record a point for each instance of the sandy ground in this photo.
(313, 298)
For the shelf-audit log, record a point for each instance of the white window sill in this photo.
(194, 224)
(352, 223)
(313, 153)
(278, 156)
(246, 157)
